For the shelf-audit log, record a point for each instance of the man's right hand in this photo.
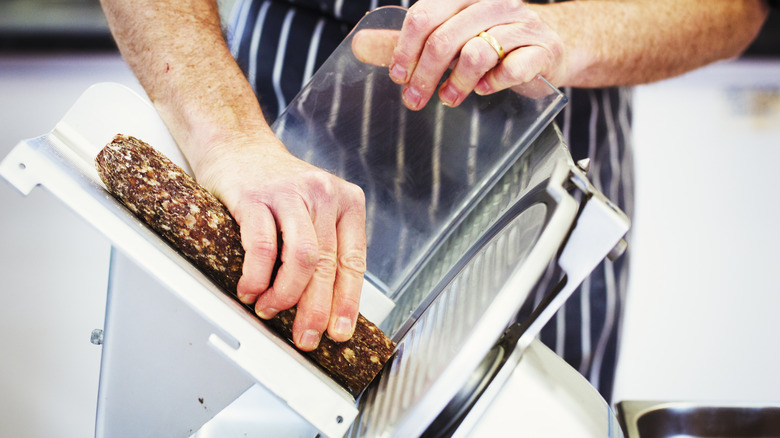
(321, 219)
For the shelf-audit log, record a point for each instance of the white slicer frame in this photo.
(61, 162)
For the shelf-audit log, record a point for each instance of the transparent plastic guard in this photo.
(421, 171)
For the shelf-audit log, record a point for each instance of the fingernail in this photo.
(310, 339)
(343, 326)
(448, 95)
(267, 313)
(411, 97)
(247, 298)
(397, 73)
(482, 87)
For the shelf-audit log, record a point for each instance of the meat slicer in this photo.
(467, 208)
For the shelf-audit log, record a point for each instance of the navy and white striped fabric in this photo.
(280, 44)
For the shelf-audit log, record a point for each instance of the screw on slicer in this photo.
(96, 337)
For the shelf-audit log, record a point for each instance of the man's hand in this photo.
(437, 34)
(321, 221)
(596, 43)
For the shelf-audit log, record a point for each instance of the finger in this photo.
(299, 259)
(258, 237)
(375, 46)
(519, 67)
(447, 42)
(476, 59)
(350, 269)
(314, 306)
(532, 49)
(420, 21)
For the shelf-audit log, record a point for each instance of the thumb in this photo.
(375, 46)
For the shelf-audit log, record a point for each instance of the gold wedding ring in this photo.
(493, 43)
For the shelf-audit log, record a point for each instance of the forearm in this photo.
(177, 51)
(609, 42)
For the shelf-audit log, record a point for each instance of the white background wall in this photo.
(53, 267)
(701, 318)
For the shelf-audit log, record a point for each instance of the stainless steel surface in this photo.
(660, 419)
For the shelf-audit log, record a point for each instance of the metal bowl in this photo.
(654, 419)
